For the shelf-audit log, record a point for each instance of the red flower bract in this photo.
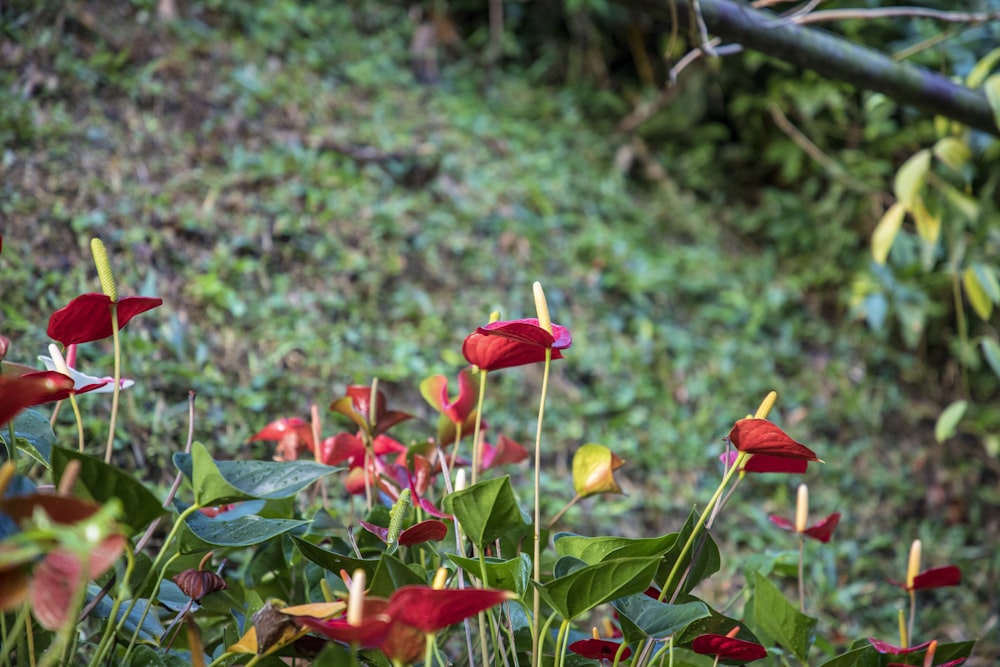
(514, 343)
(598, 649)
(88, 317)
(18, 393)
(435, 391)
(759, 436)
(936, 577)
(821, 531)
(728, 648)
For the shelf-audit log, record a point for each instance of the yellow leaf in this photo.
(953, 152)
(287, 633)
(885, 232)
(928, 224)
(992, 89)
(979, 71)
(976, 295)
(911, 177)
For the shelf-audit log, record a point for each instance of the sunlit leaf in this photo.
(982, 68)
(910, 178)
(991, 352)
(992, 89)
(487, 510)
(584, 589)
(593, 470)
(643, 617)
(510, 575)
(596, 549)
(976, 293)
(947, 421)
(885, 232)
(33, 435)
(953, 152)
(773, 617)
(928, 224)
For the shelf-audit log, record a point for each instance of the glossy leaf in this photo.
(991, 352)
(334, 562)
(953, 152)
(33, 435)
(992, 89)
(885, 232)
(947, 421)
(221, 482)
(102, 482)
(201, 533)
(596, 549)
(487, 511)
(773, 617)
(392, 574)
(510, 575)
(911, 176)
(701, 563)
(588, 587)
(642, 616)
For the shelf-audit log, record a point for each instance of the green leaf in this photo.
(33, 435)
(392, 573)
(586, 588)
(334, 562)
(596, 549)
(147, 656)
(991, 352)
(962, 202)
(947, 421)
(220, 482)
(992, 89)
(977, 294)
(928, 224)
(865, 656)
(713, 624)
(150, 631)
(102, 482)
(701, 561)
(509, 575)
(987, 278)
(953, 152)
(641, 617)
(911, 177)
(772, 616)
(201, 533)
(487, 510)
(982, 68)
(885, 232)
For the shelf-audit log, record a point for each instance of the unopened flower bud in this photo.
(542, 307)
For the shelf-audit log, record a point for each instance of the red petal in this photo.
(514, 343)
(728, 648)
(430, 530)
(88, 317)
(823, 530)
(506, 451)
(762, 463)
(343, 447)
(938, 577)
(886, 647)
(430, 610)
(55, 580)
(781, 522)
(18, 393)
(372, 631)
(759, 436)
(378, 531)
(598, 649)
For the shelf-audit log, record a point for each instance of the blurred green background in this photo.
(315, 213)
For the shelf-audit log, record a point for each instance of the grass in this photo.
(214, 157)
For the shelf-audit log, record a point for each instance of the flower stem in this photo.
(913, 612)
(536, 658)
(565, 509)
(476, 445)
(116, 339)
(802, 590)
(79, 421)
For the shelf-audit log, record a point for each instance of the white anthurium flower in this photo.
(82, 383)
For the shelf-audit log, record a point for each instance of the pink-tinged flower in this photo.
(506, 450)
(886, 647)
(928, 661)
(728, 647)
(293, 435)
(514, 343)
(399, 626)
(20, 392)
(356, 406)
(936, 577)
(435, 391)
(84, 383)
(821, 531)
(430, 530)
(761, 463)
(88, 317)
(216, 510)
(4, 346)
(760, 436)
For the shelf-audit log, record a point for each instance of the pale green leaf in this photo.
(911, 177)
(992, 89)
(953, 152)
(976, 293)
(928, 224)
(962, 202)
(991, 352)
(981, 69)
(948, 420)
(886, 231)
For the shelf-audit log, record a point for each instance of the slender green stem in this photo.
(145, 612)
(561, 640)
(485, 578)
(536, 659)
(913, 614)
(802, 587)
(79, 421)
(11, 442)
(14, 630)
(107, 639)
(565, 509)
(116, 339)
(428, 648)
(476, 445)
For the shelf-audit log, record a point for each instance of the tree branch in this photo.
(833, 57)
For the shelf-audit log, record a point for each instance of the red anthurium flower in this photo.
(598, 649)
(886, 647)
(759, 436)
(20, 392)
(435, 391)
(505, 451)
(761, 463)
(88, 317)
(821, 531)
(928, 657)
(356, 405)
(84, 383)
(294, 437)
(936, 577)
(728, 647)
(514, 343)
(430, 530)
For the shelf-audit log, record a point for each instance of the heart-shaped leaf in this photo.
(334, 562)
(584, 589)
(700, 562)
(641, 617)
(102, 482)
(596, 549)
(220, 482)
(487, 511)
(773, 617)
(510, 575)
(201, 533)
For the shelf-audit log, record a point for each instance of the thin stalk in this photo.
(565, 509)
(561, 640)
(454, 449)
(13, 631)
(485, 578)
(145, 612)
(802, 588)
(116, 340)
(107, 639)
(29, 634)
(963, 328)
(536, 659)
(913, 613)
(10, 444)
(476, 445)
(79, 421)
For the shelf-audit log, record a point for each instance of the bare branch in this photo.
(895, 12)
